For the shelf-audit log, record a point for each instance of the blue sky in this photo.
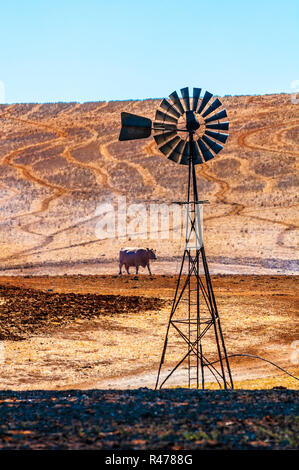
(89, 50)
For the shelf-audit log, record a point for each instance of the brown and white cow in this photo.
(135, 257)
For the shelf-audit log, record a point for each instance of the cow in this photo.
(135, 257)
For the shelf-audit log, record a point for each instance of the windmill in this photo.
(190, 131)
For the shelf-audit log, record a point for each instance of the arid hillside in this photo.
(60, 161)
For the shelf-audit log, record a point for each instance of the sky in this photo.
(100, 50)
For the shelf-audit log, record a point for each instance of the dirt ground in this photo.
(88, 332)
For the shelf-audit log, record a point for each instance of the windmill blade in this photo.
(204, 101)
(213, 145)
(217, 136)
(166, 148)
(207, 155)
(195, 153)
(220, 126)
(186, 154)
(186, 98)
(196, 95)
(176, 101)
(177, 152)
(164, 137)
(169, 108)
(217, 103)
(134, 127)
(217, 116)
(160, 116)
(163, 126)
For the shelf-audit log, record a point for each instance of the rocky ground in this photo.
(146, 419)
(26, 312)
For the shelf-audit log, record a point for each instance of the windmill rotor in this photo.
(190, 126)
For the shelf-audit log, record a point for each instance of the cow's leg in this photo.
(120, 266)
(136, 270)
(149, 269)
(127, 268)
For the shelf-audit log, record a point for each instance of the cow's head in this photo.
(152, 254)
